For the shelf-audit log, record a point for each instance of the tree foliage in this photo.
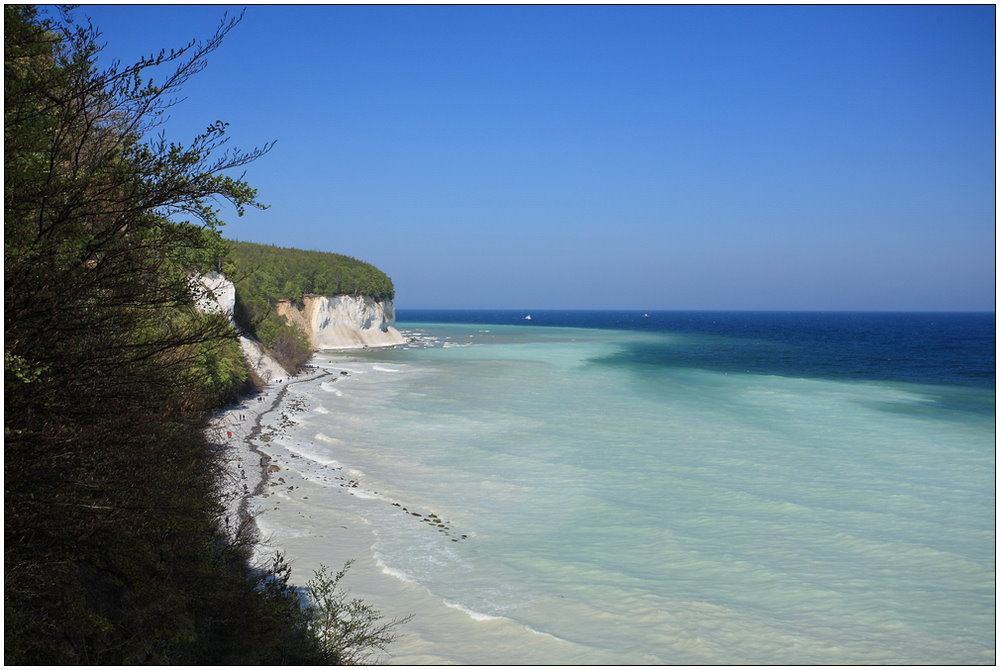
(265, 274)
(350, 631)
(113, 552)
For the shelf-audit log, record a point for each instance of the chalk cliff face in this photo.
(343, 321)
(330, 322)
(214, 293)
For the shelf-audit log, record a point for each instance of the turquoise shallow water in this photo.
(653, 510)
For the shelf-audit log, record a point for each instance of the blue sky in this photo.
(642, 157)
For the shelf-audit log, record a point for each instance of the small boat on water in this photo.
(645, 316)
(527, 318)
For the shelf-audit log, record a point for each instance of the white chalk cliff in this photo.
(330, 322)
(344, 321)
(214, 293)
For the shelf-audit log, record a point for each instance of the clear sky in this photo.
(606, 157)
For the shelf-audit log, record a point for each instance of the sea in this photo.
(663, 488)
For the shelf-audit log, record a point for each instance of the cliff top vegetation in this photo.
(282, 273)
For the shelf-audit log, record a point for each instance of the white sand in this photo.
(237, 430)
(231, 428)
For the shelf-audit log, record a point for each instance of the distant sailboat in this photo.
(528, 318)
(645, 316)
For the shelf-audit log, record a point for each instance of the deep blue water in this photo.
(945, 348)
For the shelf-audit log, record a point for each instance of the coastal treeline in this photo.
(113, 551)
(264, 274)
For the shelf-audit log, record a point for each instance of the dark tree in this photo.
(112, 548)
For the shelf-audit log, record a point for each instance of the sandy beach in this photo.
(239, 429)
(245, 472)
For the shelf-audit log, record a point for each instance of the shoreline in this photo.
(235, 429)
(289, 523)
(256, 431)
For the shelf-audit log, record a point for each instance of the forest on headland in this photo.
(264, 274)
(114, 552)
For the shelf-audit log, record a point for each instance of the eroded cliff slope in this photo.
(344, 321)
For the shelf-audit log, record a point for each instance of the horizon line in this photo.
(526, 310)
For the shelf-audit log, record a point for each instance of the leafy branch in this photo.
(348, 629)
